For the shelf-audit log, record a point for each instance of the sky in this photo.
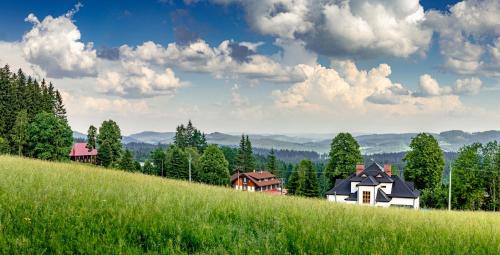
(264, 66)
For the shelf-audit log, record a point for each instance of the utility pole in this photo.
(449, 189)
(162, 168)
(189, 159)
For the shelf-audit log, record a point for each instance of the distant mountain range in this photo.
(370, 143)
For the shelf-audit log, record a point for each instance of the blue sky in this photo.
(267, 66)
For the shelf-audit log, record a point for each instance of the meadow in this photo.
(60, 208)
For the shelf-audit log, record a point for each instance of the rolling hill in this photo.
(66, 208)
(370, 143)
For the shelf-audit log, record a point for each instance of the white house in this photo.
(375, 186)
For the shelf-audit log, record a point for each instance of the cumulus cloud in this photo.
(227, 60)
(430, 87)
(54, 45)
(467, 33)
(345, 88)
(86, 104)
(343, 28)
(138, 79)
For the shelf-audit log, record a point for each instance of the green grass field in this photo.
(71, 208)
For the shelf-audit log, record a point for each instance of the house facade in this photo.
(80, 153)
(376, 186)
(256, 181)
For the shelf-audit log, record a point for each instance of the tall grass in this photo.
(71, 208)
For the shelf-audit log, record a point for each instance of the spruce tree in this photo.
(310, 187)
(176, 164)
(241, 157)
(249, 158)
(127, 162)
(91, 138)
(272, 164)
(20, 132)
(59, 109)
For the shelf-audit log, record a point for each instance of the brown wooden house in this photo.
(81, 153)
(256, 181)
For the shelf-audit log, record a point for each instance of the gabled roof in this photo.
(342, 187)
(80, 149)
(402, 189)
(382, 196)
(368, 181)
(258, 178)
(373, 175)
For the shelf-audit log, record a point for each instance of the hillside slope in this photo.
(70, 208)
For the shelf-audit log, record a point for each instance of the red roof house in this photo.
(81, 153)
(256, 181)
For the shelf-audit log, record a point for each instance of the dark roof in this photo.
(352, 197)
(402, 189)
(342, 187)
(376, 171)
(369, 181)
(382, 197)
(373, 175)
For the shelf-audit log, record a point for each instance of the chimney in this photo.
(388, 169)
(359, 168)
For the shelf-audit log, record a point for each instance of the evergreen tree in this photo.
(109, 134)
(293, 184)
(272, 164)
(59, 109)
(148, 168)
(231, 155)
(91, 138)
(213, 166)
(127, 162)
(241, 158)
(4, 146)
(181, 139)
(250, 160)
(158, 158)
(49, 137)
(343, 157)
(20, 132)
(310, 187)
(424, 162)
(176, 164)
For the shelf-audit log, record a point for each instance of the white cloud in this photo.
(345, 28)
(466, 34)
(346, 89)
(77, 104)
(219, 61)
(54, 45)
(430, 87)
(138, 79)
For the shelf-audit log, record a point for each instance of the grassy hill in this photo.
(70, 208)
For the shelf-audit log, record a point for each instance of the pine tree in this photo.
(180, 139)
(249, 158)
(20, 132)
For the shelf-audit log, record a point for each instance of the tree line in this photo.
(33, 118)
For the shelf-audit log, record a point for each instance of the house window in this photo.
(366, 197)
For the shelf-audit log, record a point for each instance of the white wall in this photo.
(340, 198)
(369, 189)
(353, 187)
(406, 201)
